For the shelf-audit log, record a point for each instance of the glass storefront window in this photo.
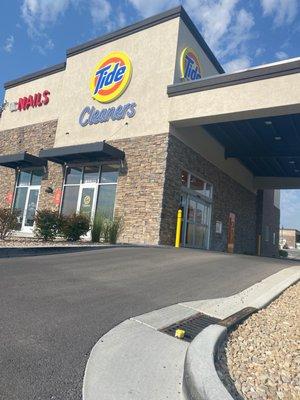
(106, 200)
(73, 175)
(24, 178)
(69, 205)
(197, 184)
(109, 173)
(37, 175)
(91, 174)
(90, 189)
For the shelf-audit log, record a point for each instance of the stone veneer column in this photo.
(140, 187)
(30, 138)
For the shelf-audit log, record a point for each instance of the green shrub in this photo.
(283, 253)
(112, 229)
(74, 226)
(97, 228)
(47, 224)
(8, 222)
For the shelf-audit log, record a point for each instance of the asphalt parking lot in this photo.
(54, 308)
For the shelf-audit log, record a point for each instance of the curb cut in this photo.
(200, 378)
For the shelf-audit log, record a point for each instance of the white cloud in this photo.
(100, 11)
(150, 7)
(259, 51)
(42, 49)
(9, 44)
(284, 11)
(237, 64)
(281, 55)
(38, 13)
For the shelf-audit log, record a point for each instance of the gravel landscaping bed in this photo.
(261, 358)
(34, 242)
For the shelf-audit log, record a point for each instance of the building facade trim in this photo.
(35, 75)
(237, 78)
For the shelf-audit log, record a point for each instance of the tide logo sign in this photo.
(190, 65)
(110, 77)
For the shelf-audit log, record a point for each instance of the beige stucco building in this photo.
(144, 121)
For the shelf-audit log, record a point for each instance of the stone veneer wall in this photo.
(228, 196)
(268, 216)
(30, 138)
(140, 187)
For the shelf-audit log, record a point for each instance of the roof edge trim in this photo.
(126, 31)
(235, 78)
(35, 75)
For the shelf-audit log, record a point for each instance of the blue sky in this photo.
(36, 33)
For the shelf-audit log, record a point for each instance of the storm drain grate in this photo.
(192, 326)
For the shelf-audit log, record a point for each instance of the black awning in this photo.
(21, 160)
(99, 151)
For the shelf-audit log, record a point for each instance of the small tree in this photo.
(8, 222)
(47, 224)
(74, 226)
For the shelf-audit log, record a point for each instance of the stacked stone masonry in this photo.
(140, 187)
(31, 138)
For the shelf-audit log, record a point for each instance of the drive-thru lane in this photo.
(55, 308)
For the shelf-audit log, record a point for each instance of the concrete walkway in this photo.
(134, 361)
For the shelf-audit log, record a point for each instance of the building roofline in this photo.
(177, 12)
(35, 75)
(235, 78)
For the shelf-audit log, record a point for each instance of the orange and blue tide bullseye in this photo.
(190, 65)
(111, 77)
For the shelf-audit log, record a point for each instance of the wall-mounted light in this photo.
(49, 190)
(277, 137)
(268, 123)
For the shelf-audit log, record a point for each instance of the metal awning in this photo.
(21, 160)
(99, 151)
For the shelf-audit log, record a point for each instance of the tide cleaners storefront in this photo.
(95, 135)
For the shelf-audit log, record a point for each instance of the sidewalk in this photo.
(134, 361)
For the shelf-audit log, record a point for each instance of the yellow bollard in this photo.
(178, 228)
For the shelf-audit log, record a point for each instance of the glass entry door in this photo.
(196, 223)
(30, 208)
(26, 197)
(86, 204)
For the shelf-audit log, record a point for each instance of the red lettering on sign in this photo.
(9, 198)
(46, 94)
(22, 103)
(57, 196)
(33, 100)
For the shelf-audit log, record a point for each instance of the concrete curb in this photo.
(200, 378)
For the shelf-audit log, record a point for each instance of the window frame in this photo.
(83, 184)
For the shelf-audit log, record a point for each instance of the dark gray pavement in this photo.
(55, 308)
